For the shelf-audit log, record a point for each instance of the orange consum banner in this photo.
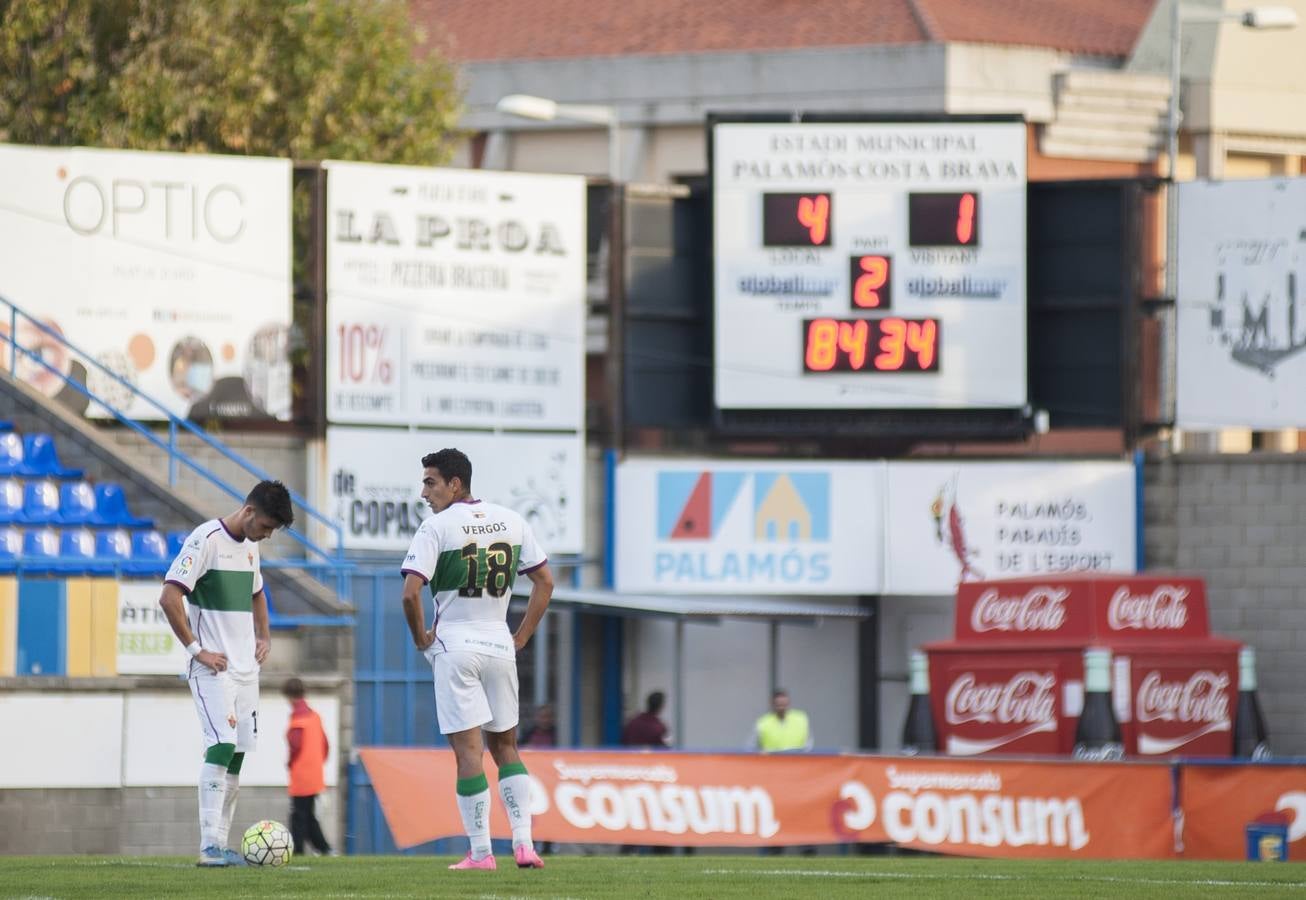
(1219, 801)
(966, 807)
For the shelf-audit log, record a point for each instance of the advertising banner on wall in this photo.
(1218, 801)
(146, 644)
(763, 527)
(455, 298)
(374, 482)
(171, 270)
(998, 809)
(1241, 319)
(949, 522)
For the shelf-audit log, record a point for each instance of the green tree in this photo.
(312, 79)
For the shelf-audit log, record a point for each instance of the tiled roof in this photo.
(482, 30)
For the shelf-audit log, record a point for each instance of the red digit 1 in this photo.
(966, 219)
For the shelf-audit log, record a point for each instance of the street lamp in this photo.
(543, 109)
(1261, 18)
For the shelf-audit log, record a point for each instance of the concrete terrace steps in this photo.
(112, 454)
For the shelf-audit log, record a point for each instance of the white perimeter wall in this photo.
(146, 739)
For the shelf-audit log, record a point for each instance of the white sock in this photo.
(228, 808)
(475, 810)
(213, 789)
(515, 790)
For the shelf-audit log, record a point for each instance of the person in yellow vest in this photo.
(308, 752)
(783, 728)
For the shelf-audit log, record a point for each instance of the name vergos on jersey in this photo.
(470, 554)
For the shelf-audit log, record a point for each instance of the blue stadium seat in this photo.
(40, 550)
(40, 459)
(149, 553)
(40, 544)
(40, 502)
(11, 500)
(76, 503)
(176, 540)
(11, 547)
(6, 425)
(77, 553)
(77, 542)
(111, 508)
(113, 544)
(11, 453)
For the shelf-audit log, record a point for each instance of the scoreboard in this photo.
(869, 264)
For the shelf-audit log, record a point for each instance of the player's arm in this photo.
(173, 602)
(262, 633)
(541, 592)
(413, 614)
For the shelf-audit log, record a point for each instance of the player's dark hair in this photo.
(293, 689)
(271, 499)
(655, 702)
(780, 692)
(451, 464)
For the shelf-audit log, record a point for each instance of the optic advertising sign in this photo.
(170, 270)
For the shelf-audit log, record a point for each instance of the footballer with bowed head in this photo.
(470, 553)
(214, 600)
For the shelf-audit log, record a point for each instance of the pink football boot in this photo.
(527, 858)
(469, 863)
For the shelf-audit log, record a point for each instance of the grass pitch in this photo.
(643, 876)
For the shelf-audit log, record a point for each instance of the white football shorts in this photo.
(474, 690)
(228, 710)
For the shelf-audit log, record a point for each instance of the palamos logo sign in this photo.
(962, 809)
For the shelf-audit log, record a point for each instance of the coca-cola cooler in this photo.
(1012, 679)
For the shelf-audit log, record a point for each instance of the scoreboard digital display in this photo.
(847, 249)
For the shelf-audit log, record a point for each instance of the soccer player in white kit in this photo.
(214, 600)
(470, 553)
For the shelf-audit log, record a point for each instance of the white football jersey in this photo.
(220, 576)
(470, 554)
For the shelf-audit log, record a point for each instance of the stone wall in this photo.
(1240, 522)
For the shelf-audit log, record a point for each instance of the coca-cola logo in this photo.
(1040, 609)
(1026, 697)
(1204, 697)
(1162, 610)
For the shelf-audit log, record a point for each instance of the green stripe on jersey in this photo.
(453, 568)
(450, 572)
(224, 591)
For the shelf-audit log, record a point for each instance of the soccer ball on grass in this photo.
(267, 843)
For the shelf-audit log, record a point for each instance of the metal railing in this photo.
(331, 560)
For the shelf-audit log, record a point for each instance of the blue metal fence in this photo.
(321, 561)
(394, 704)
